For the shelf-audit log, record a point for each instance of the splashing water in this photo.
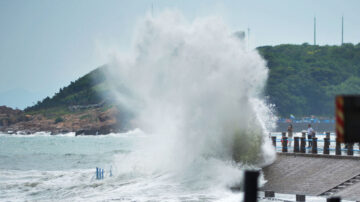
(197, 92)
(196, 95)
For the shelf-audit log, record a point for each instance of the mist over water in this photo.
(198, 93)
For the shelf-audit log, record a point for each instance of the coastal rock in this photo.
(10, 116)
(89, 121)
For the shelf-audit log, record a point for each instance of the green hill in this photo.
(86, 90)
(303, 80)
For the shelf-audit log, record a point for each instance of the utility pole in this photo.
(342, 30)
(314, 30)
(152, 10)
(248, 38)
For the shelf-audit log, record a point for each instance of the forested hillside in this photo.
(84, 91)
(304, 79)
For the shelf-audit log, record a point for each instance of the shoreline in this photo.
(52, 133)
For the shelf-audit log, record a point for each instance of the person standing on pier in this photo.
(311, 134)
(290, 134)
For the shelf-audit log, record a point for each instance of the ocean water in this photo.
(41, 167)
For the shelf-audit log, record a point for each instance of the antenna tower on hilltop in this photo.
(314, 30)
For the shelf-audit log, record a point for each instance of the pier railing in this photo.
(323, 143)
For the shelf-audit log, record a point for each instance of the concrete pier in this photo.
(313, 174)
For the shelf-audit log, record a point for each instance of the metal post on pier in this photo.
(273, 138)
(328, 135)
(302, 145)
(338, 148)
(284, 144)
(269, 194)
(296, 145)
(326, 146)
(314, 145)
(300, 197)
(350, 149)
(251, 186)
(303, 134)
(333, 199)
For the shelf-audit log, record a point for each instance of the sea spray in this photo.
(197, 92)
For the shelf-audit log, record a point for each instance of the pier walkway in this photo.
(314, 175)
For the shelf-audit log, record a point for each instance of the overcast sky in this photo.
(46, 44)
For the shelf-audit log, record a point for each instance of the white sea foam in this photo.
(197, 92)
(131, 133)
(24, 134)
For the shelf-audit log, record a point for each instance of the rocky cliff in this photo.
(88, 121)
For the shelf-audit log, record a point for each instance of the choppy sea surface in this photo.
(41, 167)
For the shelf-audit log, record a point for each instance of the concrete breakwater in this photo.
(314, 175)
